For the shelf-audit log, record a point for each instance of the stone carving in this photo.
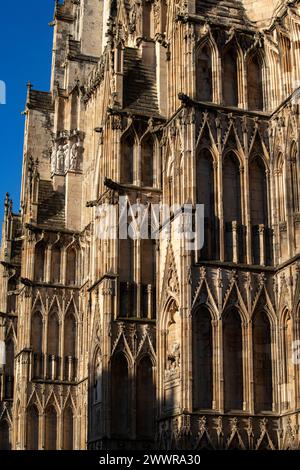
(66, 154)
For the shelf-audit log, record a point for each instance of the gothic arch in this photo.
(71, 264)
(295, 177)
(259, 211)
(145, 396)
(32, 433)
(255, 79)
(262, 362)
(53, 336)
(286, 323)
(68, 428)
(56, 252)
(232, 203)
(205, 185)
(202, 353)
(280, 167)
(230, 91)
(51, 427)
(36, 342)
(5, 435)
(148, 148)
(39, 260)
(206, 85)
(120, 396)
(128, 156)
(233, 360)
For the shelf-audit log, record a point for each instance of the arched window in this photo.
(55, 264)
(202, 359)
(97, 385)
(230, 78)
(51, 429)
(204, 91)
(127, 159)
(231, 201)
(147, 7)
(126, 274)
(32, 441)
(120, 422)
(205, 193)
(148, 272)
(254, 83)
(39, 261)
(70, 335)
(11, 297)
(280, 189)
(258, 203)
(53, 334)
(147, 161)
(233, 361)
(37, 333)
(9, 368)
(295, 179)
(145, 397)
(262, 362)
(288, 362)
(68, 431)
(231, 189)
(5, 443)
(70, 346)
(71, 266)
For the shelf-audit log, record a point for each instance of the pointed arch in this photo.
(204, 74)
(9, 368)
(205, 194)
(280, 188)
(56, 264)
(37, 332)
(233, 360)
(262, 362)
(230, 76)
(255, 81)
(32, 433)
(39, 260)
(147, 163)
(295, 177)
(97, 378)
(287, 348)
(147, 15)
(120, 396)
(5, 435)
(148, 274)
(232, 200)
(53, 333)
(70, 336)
(145, 398)
(258, 203)
(232, 205)
(71, 273)
(51, 428)
(202, 358)
(11, 297)
(128, 143)
(68, 429)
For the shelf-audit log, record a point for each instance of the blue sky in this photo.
(25, 48)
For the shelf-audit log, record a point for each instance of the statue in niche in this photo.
(67, 155)
(173, 352)
(60, 158)
(74, 156)
(53, 159)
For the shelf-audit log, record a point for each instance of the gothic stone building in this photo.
(137, 344)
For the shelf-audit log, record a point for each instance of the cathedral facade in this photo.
(141, 343)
